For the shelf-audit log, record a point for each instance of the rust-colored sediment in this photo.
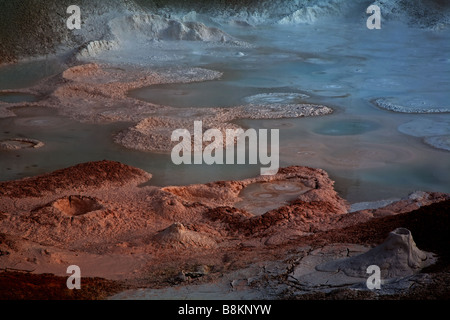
(99, 215)
(91, 174)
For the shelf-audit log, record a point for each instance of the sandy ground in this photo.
(102, 218)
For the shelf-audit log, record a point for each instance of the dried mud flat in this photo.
(133, 240)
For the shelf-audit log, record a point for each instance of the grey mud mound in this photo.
(398, 258)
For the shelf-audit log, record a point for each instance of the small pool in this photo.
(259, 198)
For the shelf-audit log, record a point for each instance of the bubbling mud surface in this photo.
(259, 198)
(77, 205)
